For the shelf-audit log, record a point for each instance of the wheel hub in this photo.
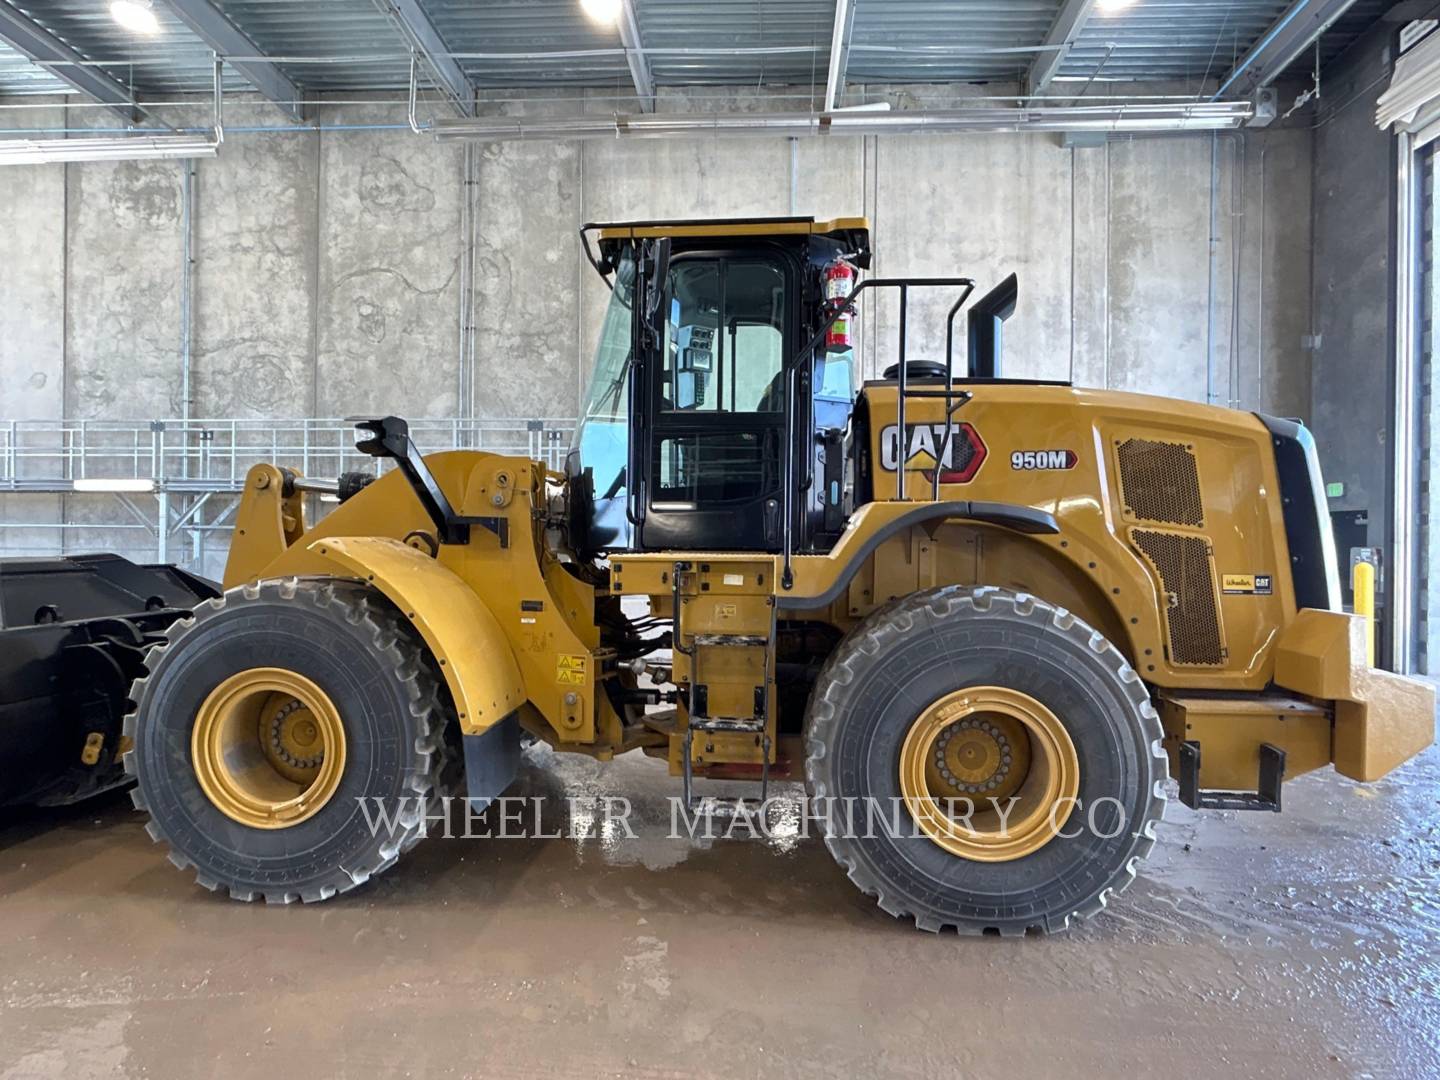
(268, 748)
(293, 736)
(989, 773)
(974, 756)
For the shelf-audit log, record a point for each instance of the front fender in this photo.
(461, 632)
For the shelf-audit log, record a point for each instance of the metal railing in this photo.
(173, 483)
(214, 455)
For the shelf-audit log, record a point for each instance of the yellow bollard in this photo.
(1362, 581)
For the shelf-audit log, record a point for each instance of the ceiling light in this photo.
(1111, 6)
(136, 15)
(117, 148)
(119, 486)
(604, 11)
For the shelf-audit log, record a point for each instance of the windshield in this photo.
(607, 398)
(602, 437)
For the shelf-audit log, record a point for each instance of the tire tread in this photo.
(899, 619)
(393, 639)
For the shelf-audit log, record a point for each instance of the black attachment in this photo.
(918, 369)
(419, 538)
(391, 439)
(73, 637)
(602, 265)
(351, 484)
(657, 275)
(636, 695)
(832, 447)
(986, 319)
(1266, 797)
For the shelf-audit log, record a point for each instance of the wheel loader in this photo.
(996, 615)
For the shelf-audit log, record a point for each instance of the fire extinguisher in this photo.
(839, 283)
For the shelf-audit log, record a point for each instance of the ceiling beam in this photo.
(43, 48)
(839, 53)
(1074, 14)
(635, 56)
(420, 33)
(211, 26)
(1294, 32)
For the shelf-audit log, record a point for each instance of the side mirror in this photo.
(987, 317)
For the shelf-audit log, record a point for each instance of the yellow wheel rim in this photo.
(989, 773)
(268, 748)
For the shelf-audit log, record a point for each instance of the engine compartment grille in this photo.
(1160, 482)
(1187, 581)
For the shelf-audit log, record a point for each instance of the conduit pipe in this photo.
(1199, 116)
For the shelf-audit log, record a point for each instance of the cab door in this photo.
(717, 398)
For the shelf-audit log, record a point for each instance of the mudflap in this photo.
(492, 760)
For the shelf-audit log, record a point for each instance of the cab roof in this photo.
(778, 226)
(853, 233)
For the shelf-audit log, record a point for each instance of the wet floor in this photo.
(1303, 945)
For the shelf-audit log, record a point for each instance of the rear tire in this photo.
(879, 684)
(343, 638)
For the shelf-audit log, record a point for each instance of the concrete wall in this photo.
(1354, 189)
(329, 266)
(1352, 376)
(32, 326)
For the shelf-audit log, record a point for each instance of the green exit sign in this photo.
(1335, 490)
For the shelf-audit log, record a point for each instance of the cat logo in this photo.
(959, 456)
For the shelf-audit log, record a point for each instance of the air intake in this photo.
(1160, 482)
(1187, 583)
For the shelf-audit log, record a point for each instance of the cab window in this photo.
(724, 338)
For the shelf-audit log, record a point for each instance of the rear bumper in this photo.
(1382, 720)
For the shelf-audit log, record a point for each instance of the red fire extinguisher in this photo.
(839, 282)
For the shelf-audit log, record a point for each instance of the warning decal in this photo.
(570, 670)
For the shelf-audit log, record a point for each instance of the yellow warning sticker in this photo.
(570, 670)
(1245, 584)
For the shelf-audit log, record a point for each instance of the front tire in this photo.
(288, 739)
(946, 684)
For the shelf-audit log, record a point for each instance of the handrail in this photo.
(950, 404)
(837, 309)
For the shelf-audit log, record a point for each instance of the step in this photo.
(727, 723)
(742, 641)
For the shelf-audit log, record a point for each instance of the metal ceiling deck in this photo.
(327, 46)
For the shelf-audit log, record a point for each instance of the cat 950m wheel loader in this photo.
(993, 615)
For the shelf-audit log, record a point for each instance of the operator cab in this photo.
(700, 397)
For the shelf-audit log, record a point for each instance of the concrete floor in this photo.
(1303, 945)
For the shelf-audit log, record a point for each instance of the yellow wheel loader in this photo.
(984, 619)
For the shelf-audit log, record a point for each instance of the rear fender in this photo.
(461, 632)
